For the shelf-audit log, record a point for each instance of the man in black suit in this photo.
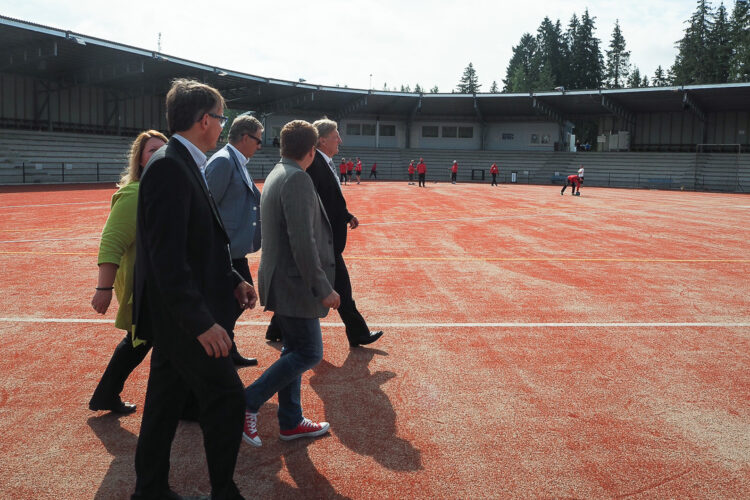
(328, 185)
(185, 299)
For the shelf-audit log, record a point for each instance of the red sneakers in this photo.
(250, 432)
(306, 428)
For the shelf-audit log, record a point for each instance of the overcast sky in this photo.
(332, 42)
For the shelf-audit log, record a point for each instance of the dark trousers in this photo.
(356, 326)
(453, 176)
(373, 173)
(121, 365)
(178, 366)
(342, 178)
(421, 180)
(494, 180)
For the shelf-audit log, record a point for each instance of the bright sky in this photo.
(332, 42)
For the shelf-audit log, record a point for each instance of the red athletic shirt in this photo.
(573, 179)
(454, 168)
(493, 169)
(411, 168)
(342, 167)
(374, 167)
(421, 168)
(359, 166)
(349, 166)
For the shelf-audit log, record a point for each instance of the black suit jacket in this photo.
(184, 280)
(333, 200)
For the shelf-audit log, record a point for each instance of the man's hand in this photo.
(101, 301)
(245, 295)
(333, 300)
(215, 341)
(353, 223)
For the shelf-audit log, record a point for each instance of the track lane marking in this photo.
(739, 324)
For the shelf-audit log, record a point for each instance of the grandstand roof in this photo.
(74, 59)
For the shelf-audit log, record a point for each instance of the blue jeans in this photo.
(303, 349)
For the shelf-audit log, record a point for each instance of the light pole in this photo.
(370, 81)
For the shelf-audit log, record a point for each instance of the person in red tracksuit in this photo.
(422, 171)
(411, 173)
(494, 172)
(358, 171)
(342, 171)
(575, 181)
(374, 171)
(454, 171)
(349, 170)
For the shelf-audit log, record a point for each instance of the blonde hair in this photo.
(134, 169)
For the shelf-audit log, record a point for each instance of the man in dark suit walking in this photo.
(326, 182)
(185, 298)
(238, 200)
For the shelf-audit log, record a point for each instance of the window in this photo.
(429, 131)
(368, 129)
(450, 132)
(387, 130)
(534, 139)
(507, 136)
(465, 132)
(353, 129)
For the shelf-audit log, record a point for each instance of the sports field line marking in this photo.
(52, 239)
(22, 319)
(58, 204)
(460, 259)
(540, 259)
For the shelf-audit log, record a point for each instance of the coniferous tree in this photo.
(418, 89)
(585, 59)
(644, 82)
(493, 87)
(693, 61)
(469, 82)
(521, 72)
(634, 80)
(618, 59)
(434, 90)
(719, 46)
(739, 61)
(660, 78)
(550, 54)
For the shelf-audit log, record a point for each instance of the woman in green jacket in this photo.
(116, 264)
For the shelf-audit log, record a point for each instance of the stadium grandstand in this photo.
(72, 103)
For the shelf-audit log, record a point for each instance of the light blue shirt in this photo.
(243, 162)
(198, 156)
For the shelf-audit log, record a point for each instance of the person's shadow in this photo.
(359, 411)
(120, 443)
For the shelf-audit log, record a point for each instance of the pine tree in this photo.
(720, 48)
(644, 82)
(493, 87)
(434, 90)
(545, 80)
(634, 80)
(469, 83)
(418, 89)
(660, 78)
(618, 59)
(521, 71)
(693, 62)
(739, 62)
(550, 54)
(585, 61)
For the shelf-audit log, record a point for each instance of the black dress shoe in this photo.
(241, 360)
(369, 339)
(118, 406)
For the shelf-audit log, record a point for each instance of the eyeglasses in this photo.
(222, 119)
(260, 143)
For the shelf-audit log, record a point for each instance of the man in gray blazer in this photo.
(238, 200)
(295, 280)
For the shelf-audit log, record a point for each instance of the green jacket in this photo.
(117, 246)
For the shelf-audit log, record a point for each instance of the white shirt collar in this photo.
(198, 155)
(240, 156)
(325, 156)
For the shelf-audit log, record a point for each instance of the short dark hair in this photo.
(243, 124)
(187, 102)
(298, 137)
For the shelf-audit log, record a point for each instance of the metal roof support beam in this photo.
(42, 92)
(619, 111)
(689, 104)
(412, 114)
(108, 73)
(482, 123)
(26, 55)
(547, 110)
(351, 107)
(288, 103)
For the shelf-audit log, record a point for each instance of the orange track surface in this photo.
(507, 368)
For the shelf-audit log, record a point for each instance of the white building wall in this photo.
(522, 136)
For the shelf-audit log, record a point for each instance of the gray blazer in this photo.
(297, 265)
(238, 201)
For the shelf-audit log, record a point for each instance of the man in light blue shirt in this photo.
(238, 200)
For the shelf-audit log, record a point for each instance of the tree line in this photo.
(715, 48)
